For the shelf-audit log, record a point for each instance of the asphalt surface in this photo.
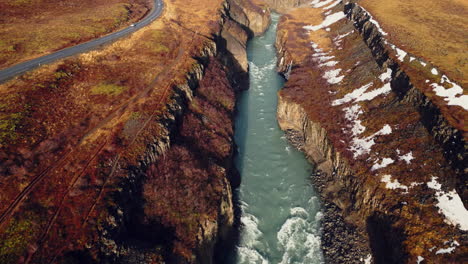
(23, 67)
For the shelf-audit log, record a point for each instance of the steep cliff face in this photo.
(148, 177)
(254, 15)
(184, 198)
(383, 165)
(442, 119)
(236, 43)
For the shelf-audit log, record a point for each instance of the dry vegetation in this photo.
(70, 129)
(30, 28)
(435, 30)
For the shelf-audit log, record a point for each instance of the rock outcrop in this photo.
(236, 43)
(254, 15)
(391, 191)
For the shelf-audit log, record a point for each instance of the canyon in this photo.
(126, 154)
(391, 156)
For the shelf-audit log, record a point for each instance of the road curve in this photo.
(23, 67)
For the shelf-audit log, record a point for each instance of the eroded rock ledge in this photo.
(379, 144)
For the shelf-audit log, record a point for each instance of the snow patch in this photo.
(360, 146)
(450, 205)
(453, 246)
(367, 260)
(374, 93)
(408, 157)
(352, 114)
(318, 4)
(401, 54)
(333, 76)
(360, 94)
(419, 260)
(386, 76)
(340, 37)
(433, 184)
(375, 22)
(321, 58)
(453, 95)
(384, 163)
(393, 184)
(329, 20)
(329, 64)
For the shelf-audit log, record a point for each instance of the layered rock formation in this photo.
(389, 152)
(124, 155)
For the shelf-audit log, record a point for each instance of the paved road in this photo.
(20, 68)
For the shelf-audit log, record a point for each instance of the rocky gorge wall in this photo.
(380, 145)
(184, 205)
(159, 189)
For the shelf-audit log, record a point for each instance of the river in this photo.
(280, 209)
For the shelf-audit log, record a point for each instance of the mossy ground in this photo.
(107, 89)
(15, 240)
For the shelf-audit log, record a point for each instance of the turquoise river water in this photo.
(280, 209)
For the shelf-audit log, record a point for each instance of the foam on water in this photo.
(250, 256)
(280, 210)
